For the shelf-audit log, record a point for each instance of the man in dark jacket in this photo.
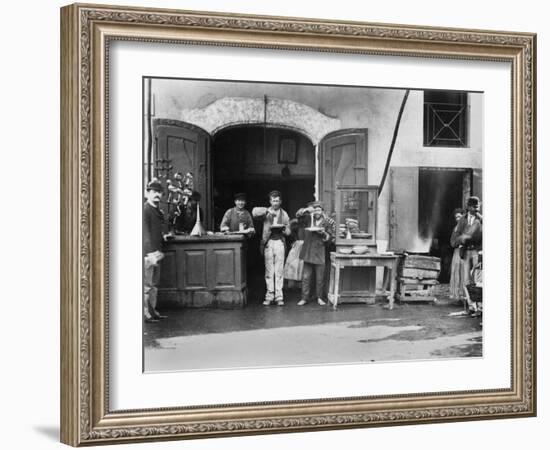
(469, 232)
(153, 236)
(318, 236)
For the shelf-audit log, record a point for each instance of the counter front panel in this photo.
(207, 271)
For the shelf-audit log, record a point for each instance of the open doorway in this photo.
(440, 192)
(257, 160)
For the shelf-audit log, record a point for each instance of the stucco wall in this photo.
(338, 108)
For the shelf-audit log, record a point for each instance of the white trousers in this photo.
(274, 255)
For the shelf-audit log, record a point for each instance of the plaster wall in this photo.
(317, 110)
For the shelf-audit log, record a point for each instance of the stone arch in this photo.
(274, 112)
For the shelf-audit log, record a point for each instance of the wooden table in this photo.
(338, 261)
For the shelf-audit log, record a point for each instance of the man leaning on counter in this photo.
(238, 218)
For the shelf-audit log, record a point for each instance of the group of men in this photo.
(318, 241)
(314, 254)
(317, 244)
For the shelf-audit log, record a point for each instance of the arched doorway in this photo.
(256, 160)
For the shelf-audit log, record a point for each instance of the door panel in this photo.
(194, 272)
(342, 161)
(169, 271)
(224, 267)
(403, 208)
(182, 147)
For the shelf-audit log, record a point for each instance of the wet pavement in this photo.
(267, 336)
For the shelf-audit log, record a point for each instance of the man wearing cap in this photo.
(470, 232)
(318, 236)
(186, 214)
(238, 218)
(276, 228)
(153, 226)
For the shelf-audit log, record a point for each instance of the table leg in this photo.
(393, 282)
(386, 279)
(336, 284)
(331, 284)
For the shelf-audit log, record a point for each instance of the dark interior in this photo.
(440, 192)
(248, 159)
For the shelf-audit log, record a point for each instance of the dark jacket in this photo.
(468, 235)
(153, 229)
(315, 243)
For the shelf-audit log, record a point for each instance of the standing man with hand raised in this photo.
(276, 228)
(318, 236)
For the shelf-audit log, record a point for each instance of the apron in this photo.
(294, 266)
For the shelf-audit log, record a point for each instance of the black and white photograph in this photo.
(302, 224)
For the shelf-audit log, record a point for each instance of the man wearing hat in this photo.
(318, 236)
(276, 228)
(153, 226)
(186, 214)
(470, 232)
(238, 218)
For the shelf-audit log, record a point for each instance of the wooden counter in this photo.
(206, 271)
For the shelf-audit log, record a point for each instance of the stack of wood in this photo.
(416, 278)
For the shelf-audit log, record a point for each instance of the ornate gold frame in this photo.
(86, 31)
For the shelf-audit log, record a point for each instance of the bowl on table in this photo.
(360, 249)
(345, 250)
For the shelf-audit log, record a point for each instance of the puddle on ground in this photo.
(466, 350)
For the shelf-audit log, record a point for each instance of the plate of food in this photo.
(277, 225)
(314, 229)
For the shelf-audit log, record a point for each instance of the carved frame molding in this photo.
(86, 33)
